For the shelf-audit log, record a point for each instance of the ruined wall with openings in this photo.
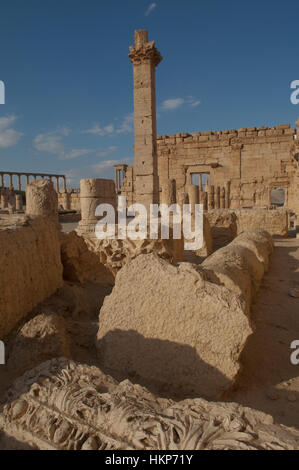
(246, 163)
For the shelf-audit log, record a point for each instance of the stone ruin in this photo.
(122, 344)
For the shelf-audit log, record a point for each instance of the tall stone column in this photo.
(145, 58)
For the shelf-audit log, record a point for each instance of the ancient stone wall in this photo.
(30, 268)
(226, 224)
(243, 165)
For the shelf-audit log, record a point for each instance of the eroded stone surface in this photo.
(114, 254)
(172, 329)
(30, 268)
(42, 199)
(62, 405)
(80, 263)
(240, 266)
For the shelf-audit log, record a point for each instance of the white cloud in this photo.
(75, 153)
(125, 127)
(173, 103)
(102, 131)
(106, 152)
(195, 103)
(49, 142)
(8, 136)
(151, 8)
(52, 143)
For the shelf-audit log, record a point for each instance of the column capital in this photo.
(144, 51)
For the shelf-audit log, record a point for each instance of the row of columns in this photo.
(213, 198)
(28, 175)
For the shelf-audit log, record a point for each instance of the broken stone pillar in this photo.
(19, 202)
(145, 58)
(93, 192)
(169, 192)
(222, 198)
(42, 200)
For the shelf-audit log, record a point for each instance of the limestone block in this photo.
(42, 199)
(169, 326)
(30, 268)
(275, 222)
(223, 225)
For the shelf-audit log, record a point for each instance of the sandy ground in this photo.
(268, 381)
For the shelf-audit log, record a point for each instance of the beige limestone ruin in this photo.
(62, 405)
(94, 192)
(116, 253)
(41, 200)
(217, 327)
(30, 268)
(145, 58)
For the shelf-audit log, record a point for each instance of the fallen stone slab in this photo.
(171, 329)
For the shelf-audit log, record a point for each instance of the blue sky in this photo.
(68, 79)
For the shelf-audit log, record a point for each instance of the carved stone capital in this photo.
(145, 53)
(236, 146)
